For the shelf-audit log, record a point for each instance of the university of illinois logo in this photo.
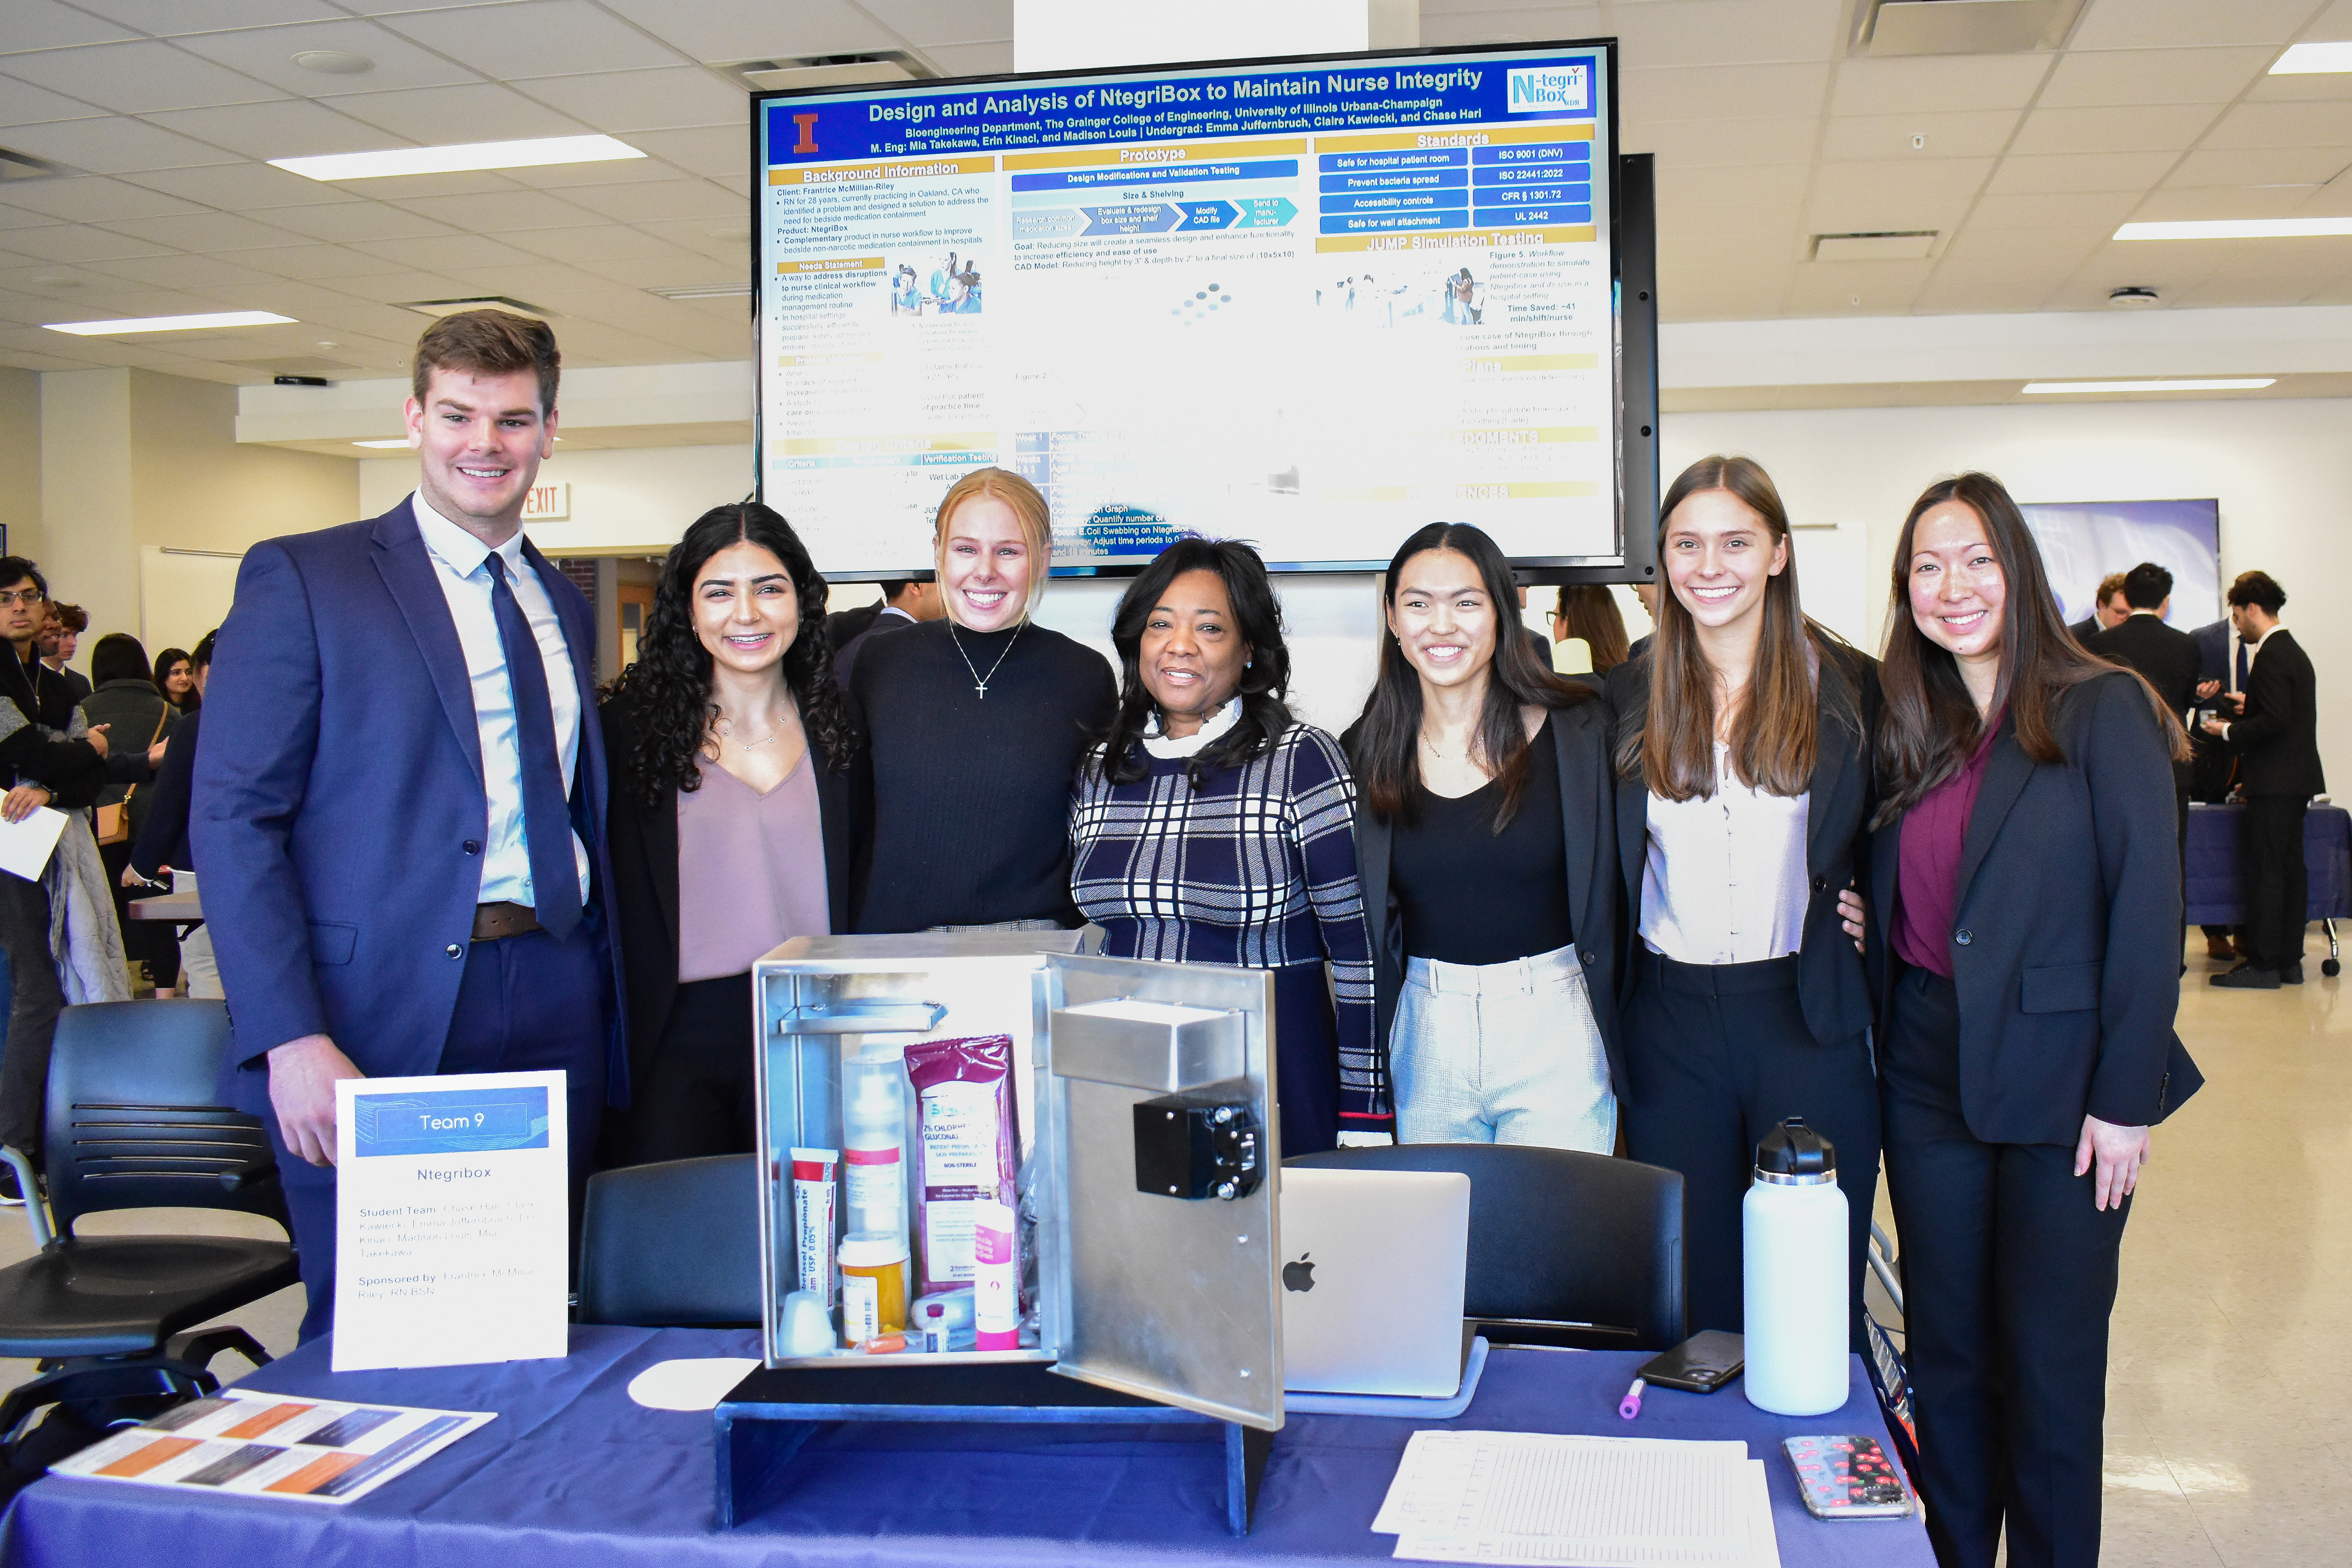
(807, 123)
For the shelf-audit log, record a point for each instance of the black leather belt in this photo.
(493, 923)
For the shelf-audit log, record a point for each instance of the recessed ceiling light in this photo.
(2314, 59)
(2239, 228)
(2209, 383)
(473, 302)
(403, 441)
(334, 62)
(537, 154)
(170, 323)
(2131, 299)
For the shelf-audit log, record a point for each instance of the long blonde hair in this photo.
(1029, 510)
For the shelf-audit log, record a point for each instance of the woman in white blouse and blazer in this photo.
(1744, 792)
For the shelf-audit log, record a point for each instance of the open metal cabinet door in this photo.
(1159, 1076)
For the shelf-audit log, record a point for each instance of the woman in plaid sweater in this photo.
(1210, 826)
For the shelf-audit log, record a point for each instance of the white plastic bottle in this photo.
(874, 1143)
(1793, 1234)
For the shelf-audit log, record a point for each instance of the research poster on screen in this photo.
(1312, 307)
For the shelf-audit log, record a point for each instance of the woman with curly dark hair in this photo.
(735, 763)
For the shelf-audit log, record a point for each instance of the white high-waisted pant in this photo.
(1501, 1052)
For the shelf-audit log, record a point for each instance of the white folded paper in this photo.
(25, 846)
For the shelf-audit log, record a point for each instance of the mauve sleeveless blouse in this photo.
(750, 870)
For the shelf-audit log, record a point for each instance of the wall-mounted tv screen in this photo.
(1314, 304)
(2084, 541)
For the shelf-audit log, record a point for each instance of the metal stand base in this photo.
(766, 1418)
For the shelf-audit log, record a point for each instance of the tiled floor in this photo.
(2230, 1385)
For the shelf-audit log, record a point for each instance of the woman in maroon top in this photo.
(2026, 877)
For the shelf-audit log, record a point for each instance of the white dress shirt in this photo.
(461, 563)
(1724, 876)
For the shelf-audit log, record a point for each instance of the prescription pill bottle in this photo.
(873, 1285)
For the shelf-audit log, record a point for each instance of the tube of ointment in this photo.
(996, 1276)
(813, 1227)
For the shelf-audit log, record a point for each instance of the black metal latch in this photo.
(1203, 1143)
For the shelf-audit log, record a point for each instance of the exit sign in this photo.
(547, 503)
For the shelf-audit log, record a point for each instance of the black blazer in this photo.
(2167, 659)
(843, 625)
(645, 873)
(2213, 651)
(2277, 741)
(2086, 628)
(1580, 741)
(1833, 985)
(2066, 943)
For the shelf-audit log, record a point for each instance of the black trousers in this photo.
(698, 1095)
(2009, 1277)
(34, 1002)
(2277, 886)
(156, 942)
(1716, 1055)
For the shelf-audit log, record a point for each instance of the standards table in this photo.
(573, 1474)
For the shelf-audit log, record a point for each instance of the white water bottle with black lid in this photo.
(1793, 1234)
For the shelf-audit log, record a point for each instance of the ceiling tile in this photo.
(622, 102)
(2321, 87)
(714, 152)
(289, 127)
(203, 231)
(2185, 24)
(442, 116)
(664, 199)
(714, 30)
(240, 187)
(2186, 205)
(972, 60)
(45, 24)
(22, 217)
(2079, 172)
(537, 37)
(1936, 84)
(1730, 32)
(2285, 125)
(720, 241)
(1987, 250)
(1723, 92)
(1937, 178)
(1973, 135)
(626, 171)
(599, 243)
(1882, 288)
(208, 273)
(499, 212)
(79, 242)
(136, 79)
(267, 53)
(2150, 129)
(2100, 79)
(313, 261)
(93, 199)
(926, 23)
(2052, 214)
(349, 222)
(1682, 189)
(22, 103)
(113, 145)
(2260, 166)
(166, 18)
(446, 253)
(1701, 143)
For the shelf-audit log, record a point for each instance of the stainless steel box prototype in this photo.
(1174, 1300)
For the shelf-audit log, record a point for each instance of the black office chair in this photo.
(673, 1245)
(130, 1124)
(1566, 1248)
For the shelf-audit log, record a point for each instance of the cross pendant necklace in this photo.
(979, 681)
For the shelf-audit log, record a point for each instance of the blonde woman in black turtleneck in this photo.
(977, 723)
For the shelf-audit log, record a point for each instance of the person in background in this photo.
(160, 846)
(59, 638)
(1210, 826)
(2108, 610)
(2026, 893)
(906, 601)
(1744, 798)
(136, 715)
(175, 677)
(2275, 736)
(48, 756)
(399, 803)
(1648, 594)
(1485, 846)
(2212, 768)
(733, 752)
(977, 722)
(2165, 656)
(1589, 611)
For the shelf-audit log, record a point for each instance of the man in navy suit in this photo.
(400, 799)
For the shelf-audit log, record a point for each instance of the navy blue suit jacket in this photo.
(338, 788)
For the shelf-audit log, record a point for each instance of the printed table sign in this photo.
(452, 1220)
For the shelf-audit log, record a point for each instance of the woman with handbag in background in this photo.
(125, 698)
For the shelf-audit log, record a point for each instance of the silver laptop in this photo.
(1374, 1265)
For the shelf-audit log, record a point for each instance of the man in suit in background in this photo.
(58, 639)
(2276, 737)
(2165, 657)
(2212, 770)
(905, 602)
(399, 803)
(2107, 610)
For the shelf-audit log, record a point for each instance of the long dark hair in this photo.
(120, 656)
(1386, 749)
(1257, 617)
(670, 679)
(186, 701)
(1776, 737)
(1588, 611)
(1930, 724)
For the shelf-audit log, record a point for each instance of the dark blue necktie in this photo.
(546, 814)
(2242, 666)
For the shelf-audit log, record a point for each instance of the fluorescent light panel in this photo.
(2209, 384)
(2314, 59)
(2239, 228)
(397, 441)
(537, 154)
(169, 323)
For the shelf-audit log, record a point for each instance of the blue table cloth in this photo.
(2212, 865)
(573, 1474)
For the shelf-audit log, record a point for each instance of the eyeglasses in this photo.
(27, 597)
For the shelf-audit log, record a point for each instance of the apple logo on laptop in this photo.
(1298, 1276)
